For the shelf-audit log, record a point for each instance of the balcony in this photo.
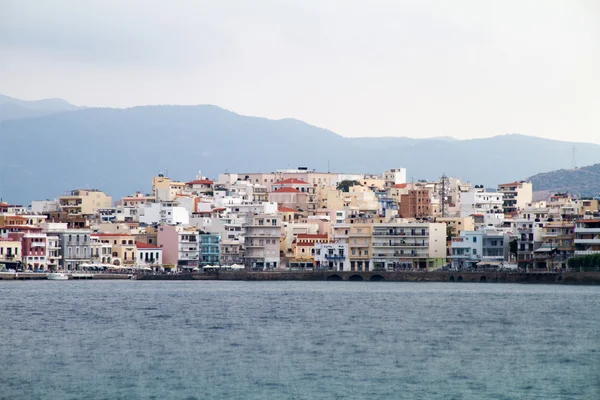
(334, 257)
(38, 244)
(587, 230)
(588, 241)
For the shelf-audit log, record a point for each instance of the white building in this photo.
(479, 202)
(332, 256)
(488, 246)
(394, 176)
(163, 213)
(148, 255)
(405, 245)
(262, 242)
(44, 206)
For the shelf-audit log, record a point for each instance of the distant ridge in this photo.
(11, 108)
(583, 181)
(119, 150)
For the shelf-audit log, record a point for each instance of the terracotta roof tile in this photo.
(141, 245)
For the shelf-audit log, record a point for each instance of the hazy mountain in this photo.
(11, 108)
(119, 150)
(579, 181)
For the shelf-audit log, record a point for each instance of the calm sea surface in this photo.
(298, 340)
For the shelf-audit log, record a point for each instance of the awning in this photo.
(545, 250)
(490, 263)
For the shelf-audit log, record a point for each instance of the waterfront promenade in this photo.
(577, 278)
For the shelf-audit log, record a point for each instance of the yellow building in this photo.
(164, 189)
(123, 250)
(10, 251)
(359, 245)
(84, 202)
(458, 224)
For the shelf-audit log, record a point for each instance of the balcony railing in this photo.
(334, 257)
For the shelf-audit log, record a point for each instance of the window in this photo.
(474, 239)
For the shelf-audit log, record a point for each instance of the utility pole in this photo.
(442, 193)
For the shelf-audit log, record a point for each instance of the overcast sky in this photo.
(462, 68)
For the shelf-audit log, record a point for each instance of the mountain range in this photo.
(119, 150)
(11, 108)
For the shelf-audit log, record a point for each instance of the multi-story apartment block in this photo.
(399, 246)
(359, 247)
(487, 204)
(166, 212)
(415, 204)
(34, 253)
(209, 249)
(75, 248)
(262, 242)
(486, 247)
(164, 189)
(394, 176)
(557, 245)
(84, 202)
(53, 252)
(587, 237)
(516, 195)
(231, 252)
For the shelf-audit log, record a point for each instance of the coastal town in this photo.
(300, 220)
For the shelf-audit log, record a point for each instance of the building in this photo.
(84, 202)
(487, 247)
(394, 176)
(489, 204)
(180, 246)
(332, 256)
(209, 249)
(122, 247)
(262, 242)
(415, 204)
(10, 253)
(405, 246)
(587, 237)
(148, 256)
(166, 212)
(359, 247)
(557, 245)
(516, 195)
(75, 248)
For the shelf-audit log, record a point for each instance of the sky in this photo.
(422, 68)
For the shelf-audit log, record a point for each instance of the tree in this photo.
(513, 246)
(345, 185)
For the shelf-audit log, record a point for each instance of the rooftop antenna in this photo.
(328, 166)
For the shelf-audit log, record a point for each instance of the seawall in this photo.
(581, 278)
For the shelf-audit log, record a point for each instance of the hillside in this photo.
(119, 150)
(11, 108)
(580, 181)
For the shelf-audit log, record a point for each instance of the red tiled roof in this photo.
(286, 209)
(293, 181)
(141, 245)
(312, 236)
(306, 244)
(286, 190)
(219, 209)
(510, 184)
(399, 186)
(476, 215)
(200, 182)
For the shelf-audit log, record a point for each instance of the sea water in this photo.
(298, 340)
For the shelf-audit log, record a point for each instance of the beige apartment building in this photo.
(84, 202)
(359, 246)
